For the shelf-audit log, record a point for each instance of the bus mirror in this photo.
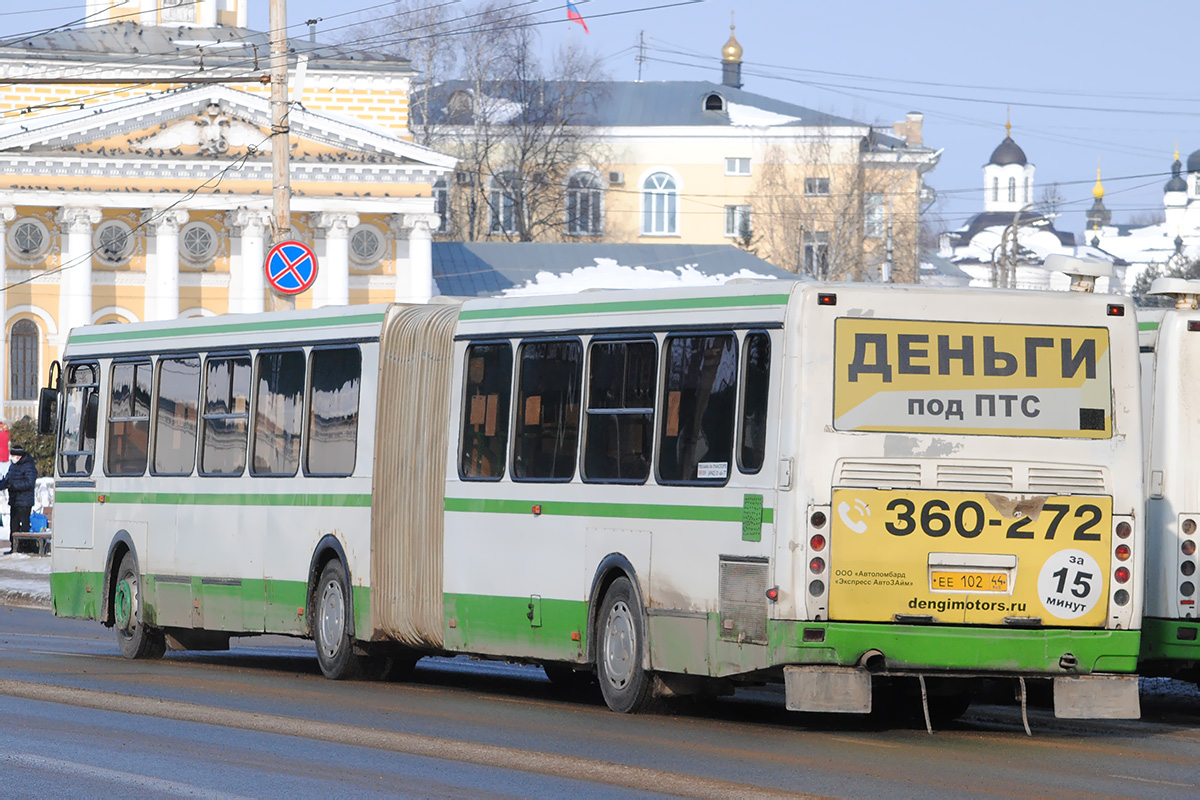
(47, 411)
(55, 376)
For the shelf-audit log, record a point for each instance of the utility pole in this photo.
(641, 56)
(281, 185)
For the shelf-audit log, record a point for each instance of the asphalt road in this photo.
(260, 721)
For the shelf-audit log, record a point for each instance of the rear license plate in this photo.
(947, 581)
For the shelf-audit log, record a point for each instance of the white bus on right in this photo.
(1170, 360)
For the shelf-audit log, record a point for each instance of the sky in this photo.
(1101, 82)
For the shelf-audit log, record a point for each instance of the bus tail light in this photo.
(1187, 588)
(816, 588)
(1122, 575)
(1124, 529)
(817, 565)
(817, 542)
(1123, 552)
(1121, 597)
(1188, 547)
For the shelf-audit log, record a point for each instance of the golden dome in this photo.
(1098, 189)
(731, 53)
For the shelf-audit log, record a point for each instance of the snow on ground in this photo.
(608, 274)
(24, 579)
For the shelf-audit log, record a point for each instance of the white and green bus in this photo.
(1170, 347)
(827, 486)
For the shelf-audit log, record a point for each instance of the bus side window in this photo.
(128, 441)
(620, 411)
(226, 416)
(756, 380)
(176, 415)
(77, 447)
(699, 404)
(278, 413)
(548, 393)
(485, 411)
(333, 412)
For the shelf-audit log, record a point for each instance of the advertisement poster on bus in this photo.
(969, 558)
(919, 376)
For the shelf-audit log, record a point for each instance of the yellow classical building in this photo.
(135, 176)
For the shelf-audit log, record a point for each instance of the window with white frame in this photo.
(995, 190)
(737, 166)
(441, 203)
(178, 10)
(1012, 190)
(815, 256)
(197, 243)
(366, 245)
(23, 360)
(660, 205)
(29, 239)
(816, 187)
(873, 219)
(584, 202)
(113, 241)
(1027, 189)
(504, 203)
(737, 221)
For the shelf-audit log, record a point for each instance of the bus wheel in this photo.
(620, 648)
(331, 629)
(134, 638)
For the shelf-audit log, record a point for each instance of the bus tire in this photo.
(620, 651)
(135, 639)
(331, 626)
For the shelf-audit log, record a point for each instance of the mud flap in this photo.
(829, 690)
(1097, 697)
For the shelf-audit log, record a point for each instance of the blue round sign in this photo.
(291, 267)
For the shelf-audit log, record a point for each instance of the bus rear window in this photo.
(226, 413)
(278, 413)
(77, 448)
(128, 441)
(699, 402)
(176, 417)
(548, 395)
(756, 381)
(620, 412)
(333, 414)
(485, 411)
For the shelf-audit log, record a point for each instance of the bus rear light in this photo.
(817, 566)
(1124, 529)
(1188, 547)
(1121, 575)
(1187, 567)
(816, 588)
(773, 593)
(1116, 310)
(1194, 324)
(818, 519)
(824, 299)
(1121, 597)
(1123, 552)
(1189, 527)
(817, 542)
(1187, 588)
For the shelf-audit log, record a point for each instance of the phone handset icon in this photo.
(853, 518)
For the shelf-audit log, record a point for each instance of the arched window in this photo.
(584, 199)
(995, 190)
(1012, 190)
(504, 203)
(660, 205)
(1027, 188)
(714, 102)
(23, 360)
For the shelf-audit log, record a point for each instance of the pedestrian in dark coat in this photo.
(20, 481)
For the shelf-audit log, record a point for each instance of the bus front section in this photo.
(973, 502)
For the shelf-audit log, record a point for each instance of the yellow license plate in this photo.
(946, 581)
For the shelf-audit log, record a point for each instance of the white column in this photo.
(414, 280)
(333, 273)
(7, 215)
(253, 282)
(162, 285)
(75, 282)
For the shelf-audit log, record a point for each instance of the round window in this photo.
(29, 239)
(113, 241)
(197, 242)
(366, 245)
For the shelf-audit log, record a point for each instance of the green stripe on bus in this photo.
(619, 306)
(226, 499)
(1147, 326)
(471, 505)
(227, 327)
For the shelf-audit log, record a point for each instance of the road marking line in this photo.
(552, 764)
(1151, 780)
(145, 782)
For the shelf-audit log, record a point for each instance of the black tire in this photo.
(135, 639)
(620, 651)
(948, 707)
(569, 679)
(331, 625)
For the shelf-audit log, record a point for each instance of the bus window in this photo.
(620, 411)
(278, 413)
(756, 379)
(548, 393)
(226, 414)
(485, 411)
(77, 448)
(128, 419)
(333, 413)
(699, 401)
(177, 412)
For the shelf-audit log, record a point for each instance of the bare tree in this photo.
(1050, 201)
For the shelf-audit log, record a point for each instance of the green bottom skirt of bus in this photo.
(1170, 640)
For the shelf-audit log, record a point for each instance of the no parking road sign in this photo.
(291, 267)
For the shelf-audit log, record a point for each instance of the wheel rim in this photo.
(125, 604)
(620, 645)
(332, 621)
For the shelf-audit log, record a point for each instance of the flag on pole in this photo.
(573, 15)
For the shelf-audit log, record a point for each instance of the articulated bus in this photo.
(1170, 348)
(832, 487)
